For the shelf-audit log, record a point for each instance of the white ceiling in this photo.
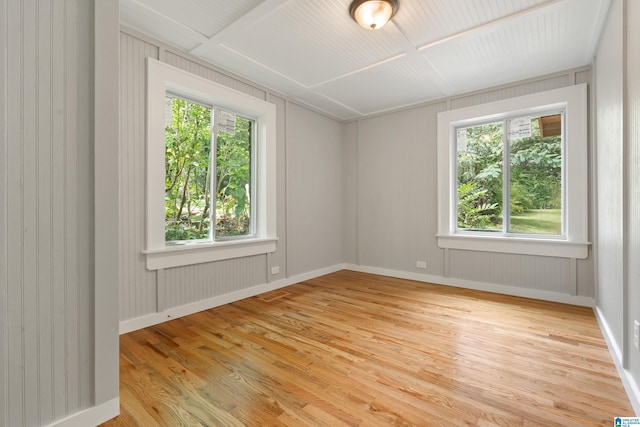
(314, 53)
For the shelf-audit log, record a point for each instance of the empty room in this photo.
(320, 212)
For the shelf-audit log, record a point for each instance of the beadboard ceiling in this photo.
(314, 53)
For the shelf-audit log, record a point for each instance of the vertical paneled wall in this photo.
(314, 184)
(617, 161)
(396, 190)
(609, 156)
(138, 293)
(395, 202)
(308, 194)
(279, 258)
(142, 291)
(349, 193)
(46, 272)
(633, 193)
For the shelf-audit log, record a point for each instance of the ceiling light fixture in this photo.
(373, 14)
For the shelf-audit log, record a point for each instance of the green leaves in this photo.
(535, 173)
(233, 178)
(189, 169)
(474, 212)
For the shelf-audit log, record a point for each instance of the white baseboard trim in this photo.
(629, 383)
(614, 349)
(187, 309)
(184, 310)
(479, 286)
(91, 416)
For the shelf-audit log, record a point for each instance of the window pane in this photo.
(536, 175)
(234, 181)
(479, 168)
(187, 170)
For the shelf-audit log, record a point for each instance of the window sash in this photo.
(214, 196)
(252, 181)
(506, 172)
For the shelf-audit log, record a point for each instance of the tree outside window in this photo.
(193, 174)
(511, 181)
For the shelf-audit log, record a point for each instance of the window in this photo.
(511, 181)
(207, 182)
(513, 175)
(210, 170)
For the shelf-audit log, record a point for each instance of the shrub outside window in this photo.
(511, 181)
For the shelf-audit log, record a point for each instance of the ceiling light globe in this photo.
(373, 14)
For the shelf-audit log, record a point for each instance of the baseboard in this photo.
(629, 383)
(187, 309)
(614, 349)
(91, 416)
(479, 286)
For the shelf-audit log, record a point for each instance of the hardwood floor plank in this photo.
(353, 349)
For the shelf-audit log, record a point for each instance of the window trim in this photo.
(574, 243)
(162, 79)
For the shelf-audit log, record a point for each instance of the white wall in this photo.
(309, 203)
(395, 207)
(48, 360)
(618, 193)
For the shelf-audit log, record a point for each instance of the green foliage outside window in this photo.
(535, 184)
(189, 169)
(233, 177)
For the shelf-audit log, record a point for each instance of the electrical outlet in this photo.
(636, 334)
(275, 270)
(421, 264)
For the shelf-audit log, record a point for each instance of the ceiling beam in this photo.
(233, 29)
(543, 7)
(146, 10)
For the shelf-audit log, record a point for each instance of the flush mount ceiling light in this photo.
(373, 14)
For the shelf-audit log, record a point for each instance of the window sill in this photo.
(196, 253)
(515, 245)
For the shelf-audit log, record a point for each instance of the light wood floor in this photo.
(357, 349)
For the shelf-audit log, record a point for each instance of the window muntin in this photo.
(511, 181)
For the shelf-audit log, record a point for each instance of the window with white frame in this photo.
(513, 175)
(210, 170)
